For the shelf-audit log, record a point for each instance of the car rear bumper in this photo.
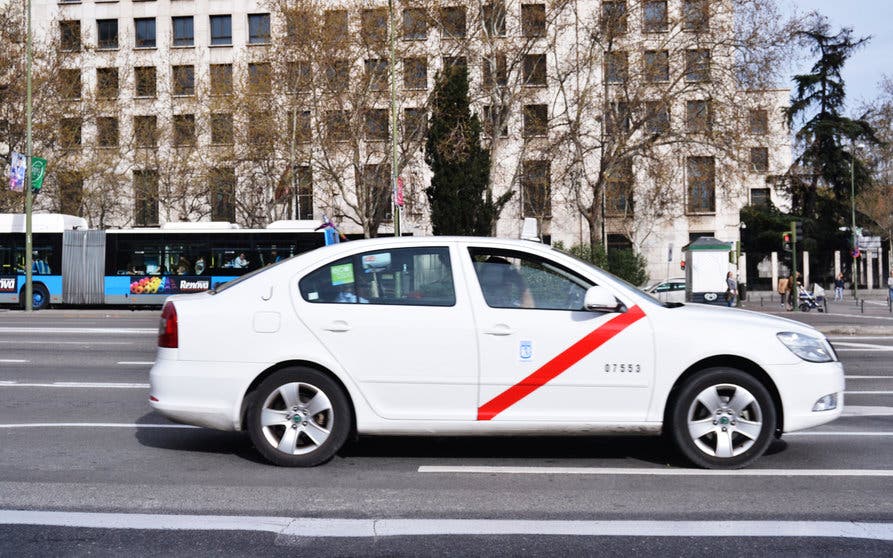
(207, 394)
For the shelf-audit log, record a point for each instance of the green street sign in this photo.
(38, 172)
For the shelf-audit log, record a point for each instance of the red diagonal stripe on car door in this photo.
(570, 356)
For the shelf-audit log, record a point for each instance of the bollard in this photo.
(825, 304)
(862, 304)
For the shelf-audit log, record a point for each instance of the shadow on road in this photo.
(202, 440)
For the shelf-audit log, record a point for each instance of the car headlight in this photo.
(812, 349)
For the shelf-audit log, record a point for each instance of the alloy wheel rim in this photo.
(724, 420)
(297, 418)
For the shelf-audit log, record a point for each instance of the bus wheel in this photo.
(40, 298)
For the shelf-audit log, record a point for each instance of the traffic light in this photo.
(786, 238)
(798, 230)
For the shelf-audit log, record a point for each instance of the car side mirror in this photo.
(600, 299)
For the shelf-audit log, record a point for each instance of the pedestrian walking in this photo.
(784, 287)
(838, 288)
(890, 286)
(732, 289)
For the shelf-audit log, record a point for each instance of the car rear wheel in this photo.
(299, 417)
(723, 418)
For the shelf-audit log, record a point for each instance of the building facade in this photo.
(619, 120)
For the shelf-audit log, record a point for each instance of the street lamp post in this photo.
(29, 292)
(853, 147)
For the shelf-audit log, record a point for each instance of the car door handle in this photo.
(499, 329)
(337, 325)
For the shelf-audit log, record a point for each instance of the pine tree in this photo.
(460, 197)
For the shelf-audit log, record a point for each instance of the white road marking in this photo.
(869, 377)
(861, 338)
(13, 360)
(368, 528)
(868, 392)
(102, 330)
(27, 342)
(866, 347)
(838, 433)
(866, 411)
(648, 471)
(137, 362)
(84, 385)
(93, 425)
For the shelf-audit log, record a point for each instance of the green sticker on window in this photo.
(342, 274)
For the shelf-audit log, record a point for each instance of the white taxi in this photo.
(480, 336)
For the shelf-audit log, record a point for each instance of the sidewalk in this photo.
(870, 316)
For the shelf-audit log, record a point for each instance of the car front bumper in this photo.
(801, 386)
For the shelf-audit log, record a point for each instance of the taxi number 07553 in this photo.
(624, 368)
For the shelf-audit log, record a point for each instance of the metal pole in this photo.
(738, 267)
(392, 74)
(291, 162)
(853, 206)
(29, 287)
(795, 290)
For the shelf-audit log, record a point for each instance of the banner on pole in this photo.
(17, 172)
(38, 172)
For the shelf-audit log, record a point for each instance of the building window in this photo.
(759, 122)
(614, 18)
(184, 129)
(337, 74)
(70, 84)
(183, 80)
(759, 159)
(299, 76)
(304, 178)
(221, 79)
(457, 62)
(617, 119)
(496, 121)
(415, 124)
(70, 132)
(184, 31)
(536, 189)
(145, 81)
(303, 133)
(619, 190)
(657, 66)
(374, 26)
(375, 186)
(145, 131)
(493, 18)
(533, 20)
(107, 83)
(536, 121)
(71, 192)
(222, 128)
(223, 194)
(697, 65)
(335, 25)
(377, 74)
(258, 29)
(695, 15)
(655, 16)
(107, 33)
(760, 196)
(260, 78)
(535, 69)
(221, 30)
(144, 32)
(452, 21)
(698, 117)
(145, 198)
(415, 24)
(657, 117)
(494, 71)
(701, 174)
(376, 124)
(616, 67)
(415, 73)
(107, 131)
(70, 35)
(338, 125)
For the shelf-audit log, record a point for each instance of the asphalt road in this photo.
(79, 442)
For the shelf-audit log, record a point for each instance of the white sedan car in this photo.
(480, 336)
(671, 290)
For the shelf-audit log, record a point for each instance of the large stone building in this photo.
(621, 120)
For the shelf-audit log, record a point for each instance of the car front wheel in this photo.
(299, 417)
(723, 419)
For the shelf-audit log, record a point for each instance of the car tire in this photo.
(722, 418)
(299, 417)
(40, 297)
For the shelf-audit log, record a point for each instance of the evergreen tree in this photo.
(460, 197)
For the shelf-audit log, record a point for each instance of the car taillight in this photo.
(167, 330)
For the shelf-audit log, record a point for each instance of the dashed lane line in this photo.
(93, 425)
(136, 362)
(86, 330)
(647, 471)
(312, 527)
(13, 361)
(82, 385)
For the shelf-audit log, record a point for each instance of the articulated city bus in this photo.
(73, 264)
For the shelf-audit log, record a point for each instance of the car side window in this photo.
(402, 276)
(510, 279)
